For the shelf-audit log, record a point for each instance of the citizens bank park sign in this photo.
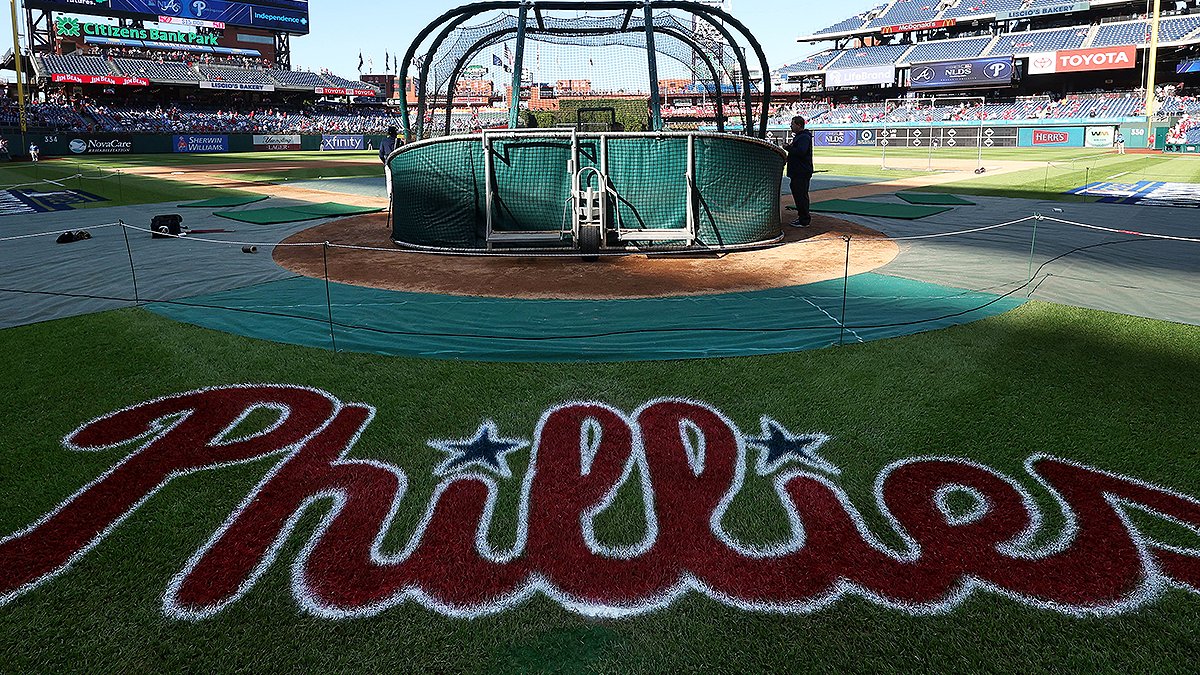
(963, 528)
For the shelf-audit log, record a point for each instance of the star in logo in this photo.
(777, 446)
(485, 449)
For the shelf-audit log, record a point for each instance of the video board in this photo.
(287, 16)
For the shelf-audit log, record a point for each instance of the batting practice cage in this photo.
(539, 128)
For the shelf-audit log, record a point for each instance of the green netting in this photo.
(881, 209)
(932, 199)
(223, 202)
(293, 214)
(438, 196)
(650, 175)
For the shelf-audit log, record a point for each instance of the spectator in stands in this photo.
(800, 170)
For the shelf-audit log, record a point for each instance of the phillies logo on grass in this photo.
(964, 528)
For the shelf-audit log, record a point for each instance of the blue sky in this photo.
(776, 23)
(340, 28)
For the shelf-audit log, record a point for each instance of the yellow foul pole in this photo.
(1152, 74)
(20, 72)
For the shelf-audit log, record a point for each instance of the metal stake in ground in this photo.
(845, 285)
(328, 302)
(132, 272)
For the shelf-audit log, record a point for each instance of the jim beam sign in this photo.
(1081, 60)
(964, 528)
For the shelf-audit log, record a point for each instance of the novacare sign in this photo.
(1081, 60)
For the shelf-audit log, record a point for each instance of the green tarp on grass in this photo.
(933, 199)
(500, 329)
(292, 214)
(880, 209)
(223, 202)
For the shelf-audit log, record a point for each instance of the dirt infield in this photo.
(816, 253)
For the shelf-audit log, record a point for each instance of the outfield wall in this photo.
(1092, 133)
(66, 144)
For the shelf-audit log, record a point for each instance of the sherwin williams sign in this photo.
(200, 143)
(985, 72)
(343, 142)
(854, 77)
(1057, 137)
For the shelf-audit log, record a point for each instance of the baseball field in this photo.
(972, 447)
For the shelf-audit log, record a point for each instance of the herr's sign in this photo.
(1044, 10)
(854, 77)
(1120, 57)
(918, 26)
(982, 72)
(100, 79)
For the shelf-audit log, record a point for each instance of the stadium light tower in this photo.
(1152, 72)
(17, 65)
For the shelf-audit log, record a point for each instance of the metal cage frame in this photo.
(718, 19)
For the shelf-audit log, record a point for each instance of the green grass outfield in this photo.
(104, 176)
(1111, 391)
(1062, 170)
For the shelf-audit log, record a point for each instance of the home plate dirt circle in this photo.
(808, 255)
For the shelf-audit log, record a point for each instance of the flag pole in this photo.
(1152, 74)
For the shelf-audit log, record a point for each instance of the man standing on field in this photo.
(386, 148)
(800, 169)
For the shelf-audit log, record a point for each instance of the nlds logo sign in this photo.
(961, 528)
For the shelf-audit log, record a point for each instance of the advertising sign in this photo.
(948, 137)
(1028, 12)
(1192, 66)
(854, 77)
(1101, 137)
(918, 25)
(101, 79)
(835, 138)
(343, 142)
(276, 141)
(237, 86)
(344, 91)
(200, 143)
(1079, 60)
(1051, 137)
(101, 145)
(290, 16)
(983, 72)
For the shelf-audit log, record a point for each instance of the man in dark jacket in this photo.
(800, 169)
(386, 148)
